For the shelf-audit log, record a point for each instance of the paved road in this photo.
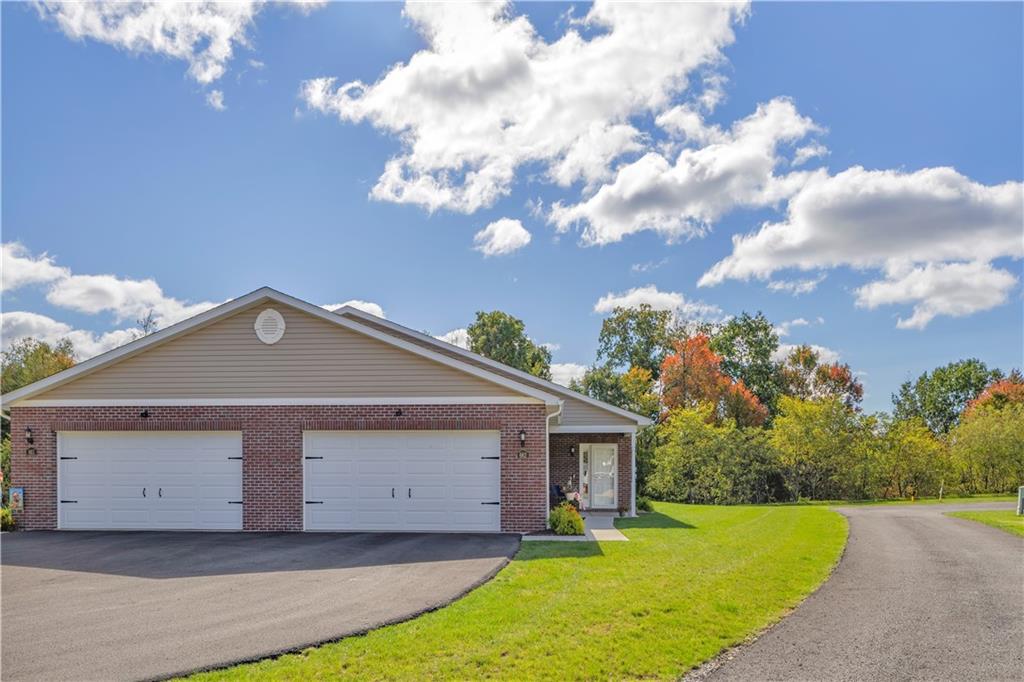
(917, 596)
(110, 606)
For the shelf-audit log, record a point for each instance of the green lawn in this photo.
(691, 581)
(1003, 519)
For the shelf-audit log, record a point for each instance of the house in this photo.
(268, 413)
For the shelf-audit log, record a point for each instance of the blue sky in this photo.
(116, 163)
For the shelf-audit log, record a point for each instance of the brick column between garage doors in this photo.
(272, 450)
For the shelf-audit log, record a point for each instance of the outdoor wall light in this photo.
(28, 435)
(144, 414)
(398, 413)
(572, 450)
(522, 437)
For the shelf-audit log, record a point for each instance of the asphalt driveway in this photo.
(105, 606)
(917, 596)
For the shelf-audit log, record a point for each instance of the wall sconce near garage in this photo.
(523, 453)
(28, 435)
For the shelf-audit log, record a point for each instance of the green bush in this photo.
(565, 520)
(644, 504)
(6, 519)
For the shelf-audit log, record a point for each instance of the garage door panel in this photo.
(442, 481)
(189, 480)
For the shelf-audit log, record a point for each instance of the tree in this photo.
(146, 325)
(746, 345)
(635, 337)
(912, 460)
(988, 449)
(824, 448)
(803, 376)
(502, 338)
(1000, 393)
(940, 397)
(692, 376)
(28, 361)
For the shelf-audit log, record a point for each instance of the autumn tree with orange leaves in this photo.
(805, 376)
(692, 376)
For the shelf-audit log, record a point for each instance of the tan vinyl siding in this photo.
(578, 413)
(314, 359)
(574, 412)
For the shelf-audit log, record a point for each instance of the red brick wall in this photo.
(272, 450)
(564, 465)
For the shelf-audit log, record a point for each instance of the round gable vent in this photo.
(269, 326)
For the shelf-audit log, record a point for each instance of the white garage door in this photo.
(403, 481)
(152, 480)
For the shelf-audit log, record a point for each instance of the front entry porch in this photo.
(597, 466)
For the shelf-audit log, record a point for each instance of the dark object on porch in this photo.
(557, 495)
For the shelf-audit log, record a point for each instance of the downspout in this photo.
(632, 452)
(547, 461)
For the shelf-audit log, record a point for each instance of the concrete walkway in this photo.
(917, 596)
(597, 527)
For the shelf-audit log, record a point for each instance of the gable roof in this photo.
(266, 293)
(480, 360)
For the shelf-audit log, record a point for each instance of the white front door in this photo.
(402, 481)
(149, 480)
(599, 475)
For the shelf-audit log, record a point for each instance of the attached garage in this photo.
(149, 481)
(405, 481)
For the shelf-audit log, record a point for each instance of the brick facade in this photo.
(565, 465)
(272, 449)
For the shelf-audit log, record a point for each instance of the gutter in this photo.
(547, 460)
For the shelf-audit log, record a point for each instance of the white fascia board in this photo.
(625, 428)
(225, 309)
(550, 385)
(231, 402)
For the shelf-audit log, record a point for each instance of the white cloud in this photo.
(501, 238)
(488, 94)
(825, 355)
(682, 199)
(658, 300)
(127, 299)
(18, 325)
(808, 152)
(564, 372)
(934, 233)
(19, 268)
(365, 306)
(551, 346)
(784, 328)
(796, 287)
(865, 218)
(215, 98)
(456, 337)
(953, 289)
(648, 265)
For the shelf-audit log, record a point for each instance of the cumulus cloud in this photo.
(18, 325)
(489, 94)
(682, 199)
(365, 306)
(808, 152)
(501, 238)
(647, 266)
(924, 229)
(20, 268)
(952, 289)
(658, 300)
(563, 373)
(215, 98)
(456, 337)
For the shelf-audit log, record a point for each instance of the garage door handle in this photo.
(410, 493)
(143, 492)
(159, 492)
(392, 493)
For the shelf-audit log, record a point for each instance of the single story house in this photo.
(268, 413)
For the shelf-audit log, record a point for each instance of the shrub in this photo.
(565, 520)
(644, 504)
(6, 519)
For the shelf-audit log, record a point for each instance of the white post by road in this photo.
(1020, 501)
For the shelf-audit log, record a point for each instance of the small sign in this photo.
(17, 498)
(522, 454)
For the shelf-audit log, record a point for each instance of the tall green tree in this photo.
(501, 337)
(635, 337)
(988, 449)
(28, 361)
(939, 397)
(746, 345)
